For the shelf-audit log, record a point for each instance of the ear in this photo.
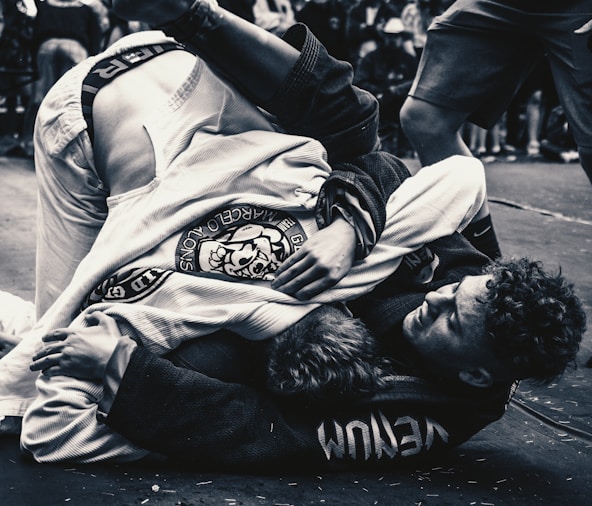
(479, 377)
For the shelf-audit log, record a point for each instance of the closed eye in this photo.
(451, 317)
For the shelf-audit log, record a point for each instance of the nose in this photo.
(439, 299)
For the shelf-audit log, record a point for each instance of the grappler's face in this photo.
(448, 329)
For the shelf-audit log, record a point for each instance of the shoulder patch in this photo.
(128, 286)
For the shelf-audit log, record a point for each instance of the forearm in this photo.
(319, 100)
(363, 187)
(437, 201)
(293, 78)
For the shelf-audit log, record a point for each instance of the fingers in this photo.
(56, 335)
(44, 363)
(49, 350)
(46, 357)
(99, 318)
(303, 280)
(296, 278)
(46, 350)
(290, 269)
(313, 289)
(305, 275)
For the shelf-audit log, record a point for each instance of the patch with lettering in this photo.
(377, 437)
(239, 241)
(128, 286)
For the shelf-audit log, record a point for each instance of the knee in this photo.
(411, 117)
(421, 120)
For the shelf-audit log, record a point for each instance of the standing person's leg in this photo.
(533, 122)
(435, 134)
(467, 72)
(568, 42)
(477, 140)
(433, 130)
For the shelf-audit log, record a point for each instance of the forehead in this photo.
(468, 308)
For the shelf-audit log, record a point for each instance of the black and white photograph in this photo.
(295, 252)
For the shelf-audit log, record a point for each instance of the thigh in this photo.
(570, 59)
(476, 57)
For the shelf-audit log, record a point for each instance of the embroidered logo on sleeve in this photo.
(128, 286)
(240, 241)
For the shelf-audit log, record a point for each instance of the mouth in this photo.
(419, 315)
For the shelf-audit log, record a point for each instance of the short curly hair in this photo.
(535, 319)
(327, 355)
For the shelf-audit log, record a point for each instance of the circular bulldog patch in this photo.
(240, 241)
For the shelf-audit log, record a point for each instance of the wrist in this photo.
(198, 18)
(345, 227)
(340, 213)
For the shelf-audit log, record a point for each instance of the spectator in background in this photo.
(65, 32)
(327, 20)
(16, 32)
(116, 28)
(364, 25)
(387, 72)
(488, 144)
(417, 16)
(275, 16)
(101, 8)
(534, 116)
(528, 111)
(557, 138)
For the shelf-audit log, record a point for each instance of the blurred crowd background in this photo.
(382, 39)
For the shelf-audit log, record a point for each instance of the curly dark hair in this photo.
(535, 319)
(327, 355)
